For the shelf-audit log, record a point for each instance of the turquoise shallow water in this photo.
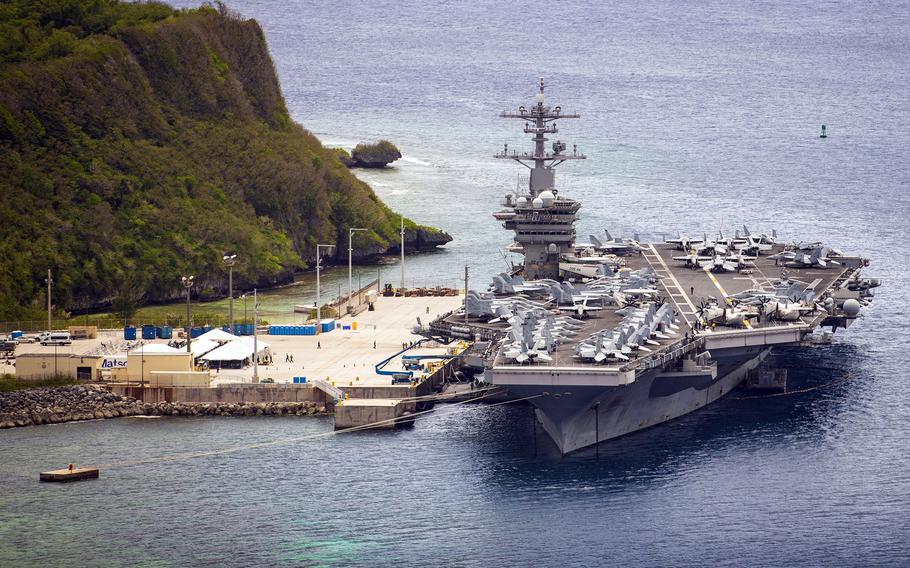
(695, 117)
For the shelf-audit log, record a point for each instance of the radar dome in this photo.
(537, 203)
(553, 248)
(522, 202)
(547, 197)
(851, 308)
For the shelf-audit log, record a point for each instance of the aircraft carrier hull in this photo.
(576, 417)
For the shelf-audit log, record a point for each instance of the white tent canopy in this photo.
(201, 346)
(237, 350)
(156, 349)
(218, 335)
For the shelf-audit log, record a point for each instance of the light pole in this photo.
(187, 282)
(466, 294)
(318, 282)
(49, 282)
(402, 256)
(351, 232)
(255, 342)
(244, 308)
(229, 261)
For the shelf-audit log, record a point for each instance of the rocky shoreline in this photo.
(33, 407)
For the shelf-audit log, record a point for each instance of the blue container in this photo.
(196, 331)
(327, 325)
(16, 334)
(148, 332)
(248, 329)
(129, 333)
(164, 332)
(207, 328)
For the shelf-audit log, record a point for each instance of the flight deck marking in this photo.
(767, 281)
(723, 293)
(675, 283)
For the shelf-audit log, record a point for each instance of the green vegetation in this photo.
(9, 383)
(139, 143)
(377, 155)
(344, 157)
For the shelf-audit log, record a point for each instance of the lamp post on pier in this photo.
(187, 282)
(319, 282)
(255, 341)
(229, 261)
(50, 281)
(351, 232)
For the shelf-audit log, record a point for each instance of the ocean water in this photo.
(695, 117)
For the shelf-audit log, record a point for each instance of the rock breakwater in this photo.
(67, 404)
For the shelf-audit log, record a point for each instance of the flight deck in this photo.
(688, 287)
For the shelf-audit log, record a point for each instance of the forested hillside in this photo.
(139, 143)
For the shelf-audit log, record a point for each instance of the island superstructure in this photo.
(544, 222)
(611, 336)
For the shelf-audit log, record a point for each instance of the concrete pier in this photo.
(362, 411)
(346, 357)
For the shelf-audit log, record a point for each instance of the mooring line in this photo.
(223, 451)
(799, 391)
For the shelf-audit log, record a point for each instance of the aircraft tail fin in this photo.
(595, 241)
(609, 236)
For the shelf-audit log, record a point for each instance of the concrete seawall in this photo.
(225, 394)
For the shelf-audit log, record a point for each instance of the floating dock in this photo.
(69, 474)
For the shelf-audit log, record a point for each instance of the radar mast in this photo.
(543, 221)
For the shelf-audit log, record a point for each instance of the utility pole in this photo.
(229, 261)
(319, 282)
(255, 333)
(402, 255)
(49, 281)
(187, 282)
(351, 232)
(465, 294)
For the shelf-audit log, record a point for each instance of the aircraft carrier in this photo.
(609, 336)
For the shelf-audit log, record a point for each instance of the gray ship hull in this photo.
(576, 417)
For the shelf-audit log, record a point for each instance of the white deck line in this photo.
(683, 312)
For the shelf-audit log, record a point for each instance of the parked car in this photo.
(55, 338)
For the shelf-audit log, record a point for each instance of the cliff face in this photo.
(139, 143)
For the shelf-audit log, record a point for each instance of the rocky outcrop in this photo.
(67, 404)
(377, 155)
(426, 238)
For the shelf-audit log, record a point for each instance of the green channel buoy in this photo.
(824, 132)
